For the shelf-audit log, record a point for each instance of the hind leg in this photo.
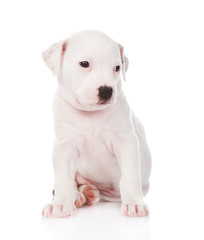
(90, 192)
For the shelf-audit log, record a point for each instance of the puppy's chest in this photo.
(95, 144)
(96, 160)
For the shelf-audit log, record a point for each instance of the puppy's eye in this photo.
(84, 64)
(116, 69)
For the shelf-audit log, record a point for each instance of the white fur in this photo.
(103, 143)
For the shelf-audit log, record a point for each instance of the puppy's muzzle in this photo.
(104, 94)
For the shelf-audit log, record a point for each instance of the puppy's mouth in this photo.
(103, 102)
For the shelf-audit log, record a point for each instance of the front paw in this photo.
(134, 210)
(58, 210)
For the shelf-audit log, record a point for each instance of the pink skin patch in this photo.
(89, 195)
(64, 46)
(109, 192)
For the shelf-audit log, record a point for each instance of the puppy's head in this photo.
(89, 66)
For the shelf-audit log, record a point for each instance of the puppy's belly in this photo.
(106, 189)
(98, 166)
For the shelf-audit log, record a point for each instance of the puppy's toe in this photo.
(58, 210)
(47, 210)
(142, 210)
(134, 210)
(80, 199)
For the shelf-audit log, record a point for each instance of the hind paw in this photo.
(91, 193)
(80, 199)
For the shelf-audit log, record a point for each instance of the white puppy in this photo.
(100, 151)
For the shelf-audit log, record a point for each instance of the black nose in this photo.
(105, 93)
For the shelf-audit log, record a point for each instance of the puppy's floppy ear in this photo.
(53, 56)
(124, 59)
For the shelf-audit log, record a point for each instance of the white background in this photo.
(164, 41)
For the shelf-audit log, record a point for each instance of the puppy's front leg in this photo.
(127, 150)
(64, 163)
